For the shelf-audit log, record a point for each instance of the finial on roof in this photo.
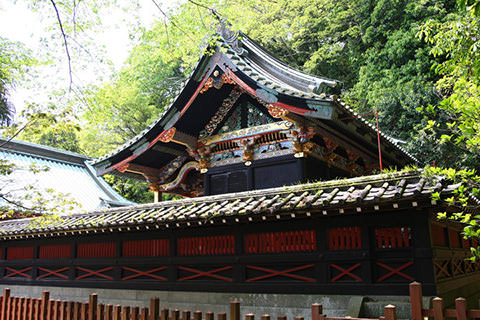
(224, 29)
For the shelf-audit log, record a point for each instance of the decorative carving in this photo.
(208, 84)
(300, 140)
(218, 117)
(352, 156)
(202, 155)
(255, 117)
(248, 149)
(216, 81)
(276, 112)
(154, 187)
(331, 145)
(167, 135)
(230, 37)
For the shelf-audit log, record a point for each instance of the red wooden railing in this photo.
(146, 248)
(20, 308)
(213, 245)
(16, 308)
(55, 251)
(345, 238)
(96, 250)
(392, 237)
(16, 253)
(289, 241)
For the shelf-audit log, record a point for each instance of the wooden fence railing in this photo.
(17, 308)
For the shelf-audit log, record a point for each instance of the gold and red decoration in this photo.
(167, 135)
(301, 140)
(202, 155)
(248, 150)
(216, 81)
(276, 112)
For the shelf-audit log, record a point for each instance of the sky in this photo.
(20, 23)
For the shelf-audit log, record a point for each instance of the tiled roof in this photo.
(348, 196)
(67, 173)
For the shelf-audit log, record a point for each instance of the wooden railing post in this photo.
(164, 314)
(186, 315)
(176, 314)
(197, 315)
(249, 316)
(416, 300)
(100, 312)
(282, 318)
(5, 300)
(92, 306)
(461, 308)
(44, 305)
(265, 317)
(144, 315)
(209, 315)
(109, 312)
(390, 312)
(316, 311)
(438, 309)
(135, 312)
(117, 312)
(235, 310)
(126, 313)
(221, 316)
(154, 309)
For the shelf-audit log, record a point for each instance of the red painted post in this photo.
(84, 311)
(109, 312)
(135, 312)
(234, 310)
(461, 308)
(197, 315)
(144, 315)
(5, 302)
(176, 314)
(117, 312)
(126, 313)
(164, 314)
(44, 305)
(390, 312)
(92, 306)
(154, 309)
(438, 309)
(69, 310)
(63, 310)
(76, 310)
(100, 312)
(316, 311)
(416, 300)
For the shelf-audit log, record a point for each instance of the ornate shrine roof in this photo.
(362, 195)
(240, 67)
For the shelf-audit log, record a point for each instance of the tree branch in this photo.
(173, 22)
(65, 41)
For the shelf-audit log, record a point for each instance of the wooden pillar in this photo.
(157, 194)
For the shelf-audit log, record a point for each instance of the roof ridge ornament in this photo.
(231, 37)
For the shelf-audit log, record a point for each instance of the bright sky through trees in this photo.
(18, 22)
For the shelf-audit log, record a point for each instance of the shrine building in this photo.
(283, 197)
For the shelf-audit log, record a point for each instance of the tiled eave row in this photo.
(350, 196)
